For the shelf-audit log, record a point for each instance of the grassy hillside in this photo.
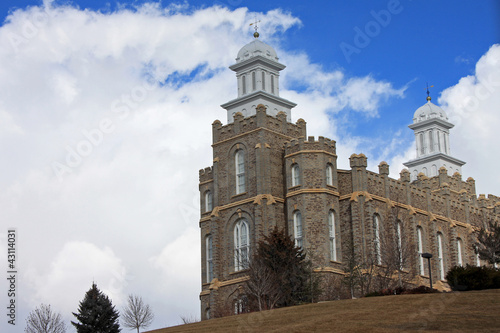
(473, 311)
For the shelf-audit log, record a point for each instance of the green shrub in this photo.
(473, 278)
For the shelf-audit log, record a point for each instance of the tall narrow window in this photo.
(420, 249)
(272, 84)
(376, 240)
(243, 85)
(254, 82)
(208, 201)
(297, 226)
(210, 264)
(329, 175)
(445, 143)
(333, 241)
(241, 245)
(240, 305)
(295, 175)
(431, 142)
(399, 244)
(459, 252)
(263, 80)
(440, 256)
(478, 260)
(439, 140)
(422, 147)
(239, 160)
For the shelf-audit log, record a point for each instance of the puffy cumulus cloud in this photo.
(178, 267)
(71, 273)
(472, 105)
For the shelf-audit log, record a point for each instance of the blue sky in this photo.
(102, 172)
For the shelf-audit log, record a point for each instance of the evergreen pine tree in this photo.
(289, 272)
(96, 314)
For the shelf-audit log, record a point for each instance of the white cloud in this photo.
(71, 274)
(473, 105)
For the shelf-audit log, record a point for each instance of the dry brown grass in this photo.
(473, 311)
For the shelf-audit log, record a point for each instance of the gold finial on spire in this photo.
(428, 93)
(256, 27)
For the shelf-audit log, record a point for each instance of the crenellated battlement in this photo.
(261, 119)
(301, 144)
(206, 174)
(443, 181)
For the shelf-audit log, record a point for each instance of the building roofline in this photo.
(259, 93)
(433, 157)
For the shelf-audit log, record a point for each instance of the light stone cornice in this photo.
(310, 151)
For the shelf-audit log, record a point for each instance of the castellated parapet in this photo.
(261, 119)
(206, 174)
(301, 144)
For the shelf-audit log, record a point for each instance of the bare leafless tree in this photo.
(137, 314)
(397, 252)
(189, 319)
(263, 284)
(43, 320)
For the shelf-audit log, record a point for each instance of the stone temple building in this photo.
(267, 172)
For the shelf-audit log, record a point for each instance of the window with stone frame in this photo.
(297, 228)
(241, 245)
(239, 161)
(459, 252)
(333, 239)
(241, 305)
(208, 201)
(209, 255)
(440, 258)
(420, 249)
(399, 244)
(329, 174)
(376, 239)
(295, 174)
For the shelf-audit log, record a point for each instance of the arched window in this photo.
(434, 170)
(207, 314)
(295, 175)
(297, 228)
(440, 256)
(333, 241)
(239, 161)
(243, 85)
(263, 80)
(376, 239)
(329, 175)
(399, 243)
(210, 264)
(241, 245)
(420, 249)
(208, 201)
(241, 305)
(254, 82)
(459, 252)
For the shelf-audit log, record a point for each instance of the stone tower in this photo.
(265, 173)
(432, 136)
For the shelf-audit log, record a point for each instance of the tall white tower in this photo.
(431, 127)
(257, 71)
